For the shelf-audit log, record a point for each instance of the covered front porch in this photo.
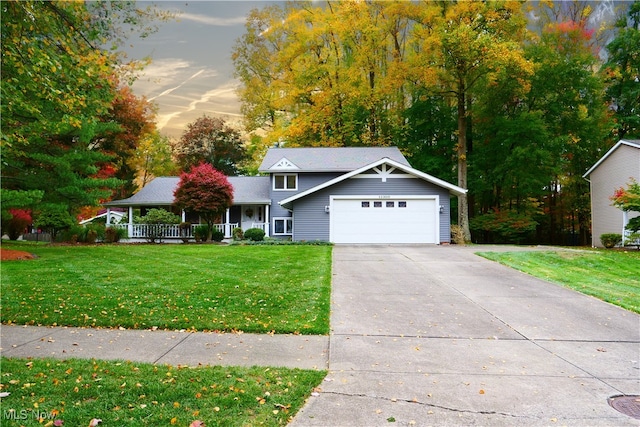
(237, 216)
(250, 209)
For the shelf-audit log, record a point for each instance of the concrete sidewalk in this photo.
(170, 347)
(436, 335)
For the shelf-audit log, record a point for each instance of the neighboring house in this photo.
(614, 170)
(342, 195)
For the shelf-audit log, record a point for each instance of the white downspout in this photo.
(267, 221)
(227, 225)
(130, 226)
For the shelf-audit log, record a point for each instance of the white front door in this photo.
(384, 219)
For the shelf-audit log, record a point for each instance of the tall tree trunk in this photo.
(463, 205)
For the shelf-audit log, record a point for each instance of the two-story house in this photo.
(341, 195)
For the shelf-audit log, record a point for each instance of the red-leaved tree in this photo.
(205, 191)
(17, 225)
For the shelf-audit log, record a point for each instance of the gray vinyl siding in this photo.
(614, 172)
(311, 222)
(305, 182)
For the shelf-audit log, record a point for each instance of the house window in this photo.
(402, 204)
(365, 204)
(285, 182)
(282, 226)
(377, 204)
(390, 204)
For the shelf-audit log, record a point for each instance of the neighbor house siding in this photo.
(311, 222)
(614, 172)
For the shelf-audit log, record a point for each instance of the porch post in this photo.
(625, 221)
(130, 226)
(227, 225)
(267, 221)
(108, 217)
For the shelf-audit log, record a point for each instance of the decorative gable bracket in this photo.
(383, 172)
(284, 164)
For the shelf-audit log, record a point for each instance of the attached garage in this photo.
(384, 202)
(384, 219)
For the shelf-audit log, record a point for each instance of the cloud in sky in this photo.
(191, 72)
(212, 20)
(168, 91)
(195, 101)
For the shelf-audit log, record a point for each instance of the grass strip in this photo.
(72, 392)
(612, 276)
(259, 289)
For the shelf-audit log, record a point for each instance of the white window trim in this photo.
(285, 181)
(282, 218)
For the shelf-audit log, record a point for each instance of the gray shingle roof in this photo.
(329, 159)
(159, 192)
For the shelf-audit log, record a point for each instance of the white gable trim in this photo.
(614, 148)
(432, 179)
(384, 172)
(284, 164)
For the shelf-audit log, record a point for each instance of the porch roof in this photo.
(159, 192)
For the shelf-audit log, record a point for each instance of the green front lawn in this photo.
(610, 275)
(72, 392)
(281, 289)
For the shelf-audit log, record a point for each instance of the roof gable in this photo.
(284, 165)
(382, 169)
(328, 159)
(633, 143)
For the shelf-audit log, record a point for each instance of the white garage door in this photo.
(384, 220)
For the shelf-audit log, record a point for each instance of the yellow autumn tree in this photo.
(459, 47)
(323, 73)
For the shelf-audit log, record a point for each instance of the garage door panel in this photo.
(395, 220)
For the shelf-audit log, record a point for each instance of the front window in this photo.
(285, 182)
(282, 226)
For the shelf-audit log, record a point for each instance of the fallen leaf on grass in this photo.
(94, 422)
(196, 423)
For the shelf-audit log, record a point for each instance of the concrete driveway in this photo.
(435, 335)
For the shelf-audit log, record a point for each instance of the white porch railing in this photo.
(261, 225)
(169, 231)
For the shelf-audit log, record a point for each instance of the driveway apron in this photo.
(436, 335)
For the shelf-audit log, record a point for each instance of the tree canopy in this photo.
(210, 140)
(67, 123)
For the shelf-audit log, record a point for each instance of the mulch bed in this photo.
(12, 254)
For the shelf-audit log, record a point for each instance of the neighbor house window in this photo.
(365, 204)
(377, 204)
(402, 204)
(282, 226)
(285, 182)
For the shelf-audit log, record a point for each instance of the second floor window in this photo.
(285, 182)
